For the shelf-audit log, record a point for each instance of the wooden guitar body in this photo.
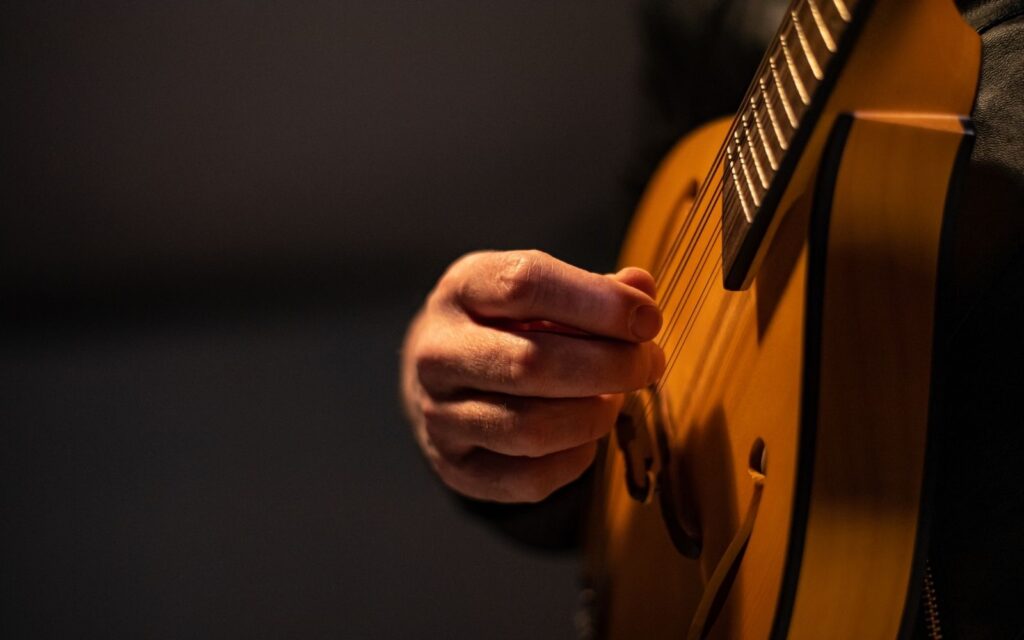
(772, 484)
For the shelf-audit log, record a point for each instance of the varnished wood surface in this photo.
(739, 373)
(875, 371)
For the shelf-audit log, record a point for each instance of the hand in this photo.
(515, 367)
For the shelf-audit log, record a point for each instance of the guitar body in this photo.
(772, 484)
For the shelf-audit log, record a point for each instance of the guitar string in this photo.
(675, 314)
(716, 270)
(706, 254)
(706, 258)
(708, 278)
(671, 256)
(709, 180)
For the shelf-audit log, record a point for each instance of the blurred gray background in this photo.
(215, 219)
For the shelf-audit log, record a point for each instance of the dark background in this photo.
(216, 219)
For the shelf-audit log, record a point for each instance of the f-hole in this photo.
(717, 590)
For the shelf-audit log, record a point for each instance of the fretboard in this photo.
(766, 134)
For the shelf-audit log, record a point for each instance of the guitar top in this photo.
(771, 484)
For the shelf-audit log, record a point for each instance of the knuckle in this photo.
(515, 427)
(431, 363)
(456, 278)
(432, 413)
(464, 264)
(525, 362)
(438, 430)
(507, 424)
(458, 275)
(519, 277)
(490, 423)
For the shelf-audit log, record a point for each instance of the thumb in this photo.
(638, 279)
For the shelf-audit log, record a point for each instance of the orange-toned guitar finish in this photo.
(787, 443)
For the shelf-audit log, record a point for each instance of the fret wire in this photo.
(738, 189)
(812, 60)
(753, 155)
(783, 144)
(746, 162)
(777, 103)
(741, 194)
(784, 87)
(754, 197)
(768, 152)
(844, 11)
(786, 106)
(793, 74)
(819, 20)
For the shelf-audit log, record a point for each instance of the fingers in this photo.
(534, 363)
(638, 279)
(486, 475)
(531, 285)
(516, 365)
(531, 427)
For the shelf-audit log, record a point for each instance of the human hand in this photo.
(516, 365)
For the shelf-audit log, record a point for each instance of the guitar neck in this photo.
(770, 128)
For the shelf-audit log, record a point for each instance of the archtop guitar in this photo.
(774, 483)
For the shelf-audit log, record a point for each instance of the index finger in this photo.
(531, 285)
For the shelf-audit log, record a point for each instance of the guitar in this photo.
(774, 483)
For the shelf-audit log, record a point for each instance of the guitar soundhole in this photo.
(633, 437)
(650, 470)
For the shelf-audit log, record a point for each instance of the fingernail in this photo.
(645, 322)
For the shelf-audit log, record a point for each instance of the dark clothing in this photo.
(978, 514)
(978, 517)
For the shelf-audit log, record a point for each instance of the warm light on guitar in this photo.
(771, 483)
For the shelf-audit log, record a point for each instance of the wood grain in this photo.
(741, 357)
